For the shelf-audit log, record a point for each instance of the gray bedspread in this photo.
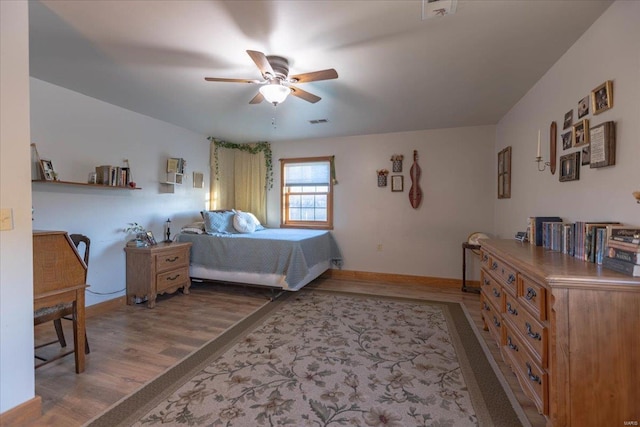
(290, 252)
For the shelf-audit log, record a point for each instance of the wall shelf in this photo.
(84, 184)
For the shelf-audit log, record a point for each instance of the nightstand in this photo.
(157, 269)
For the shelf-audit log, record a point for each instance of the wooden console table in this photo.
(59, 278)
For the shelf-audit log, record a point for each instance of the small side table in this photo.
(466, 288)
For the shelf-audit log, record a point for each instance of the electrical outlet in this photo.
(379, 248)
(6, 219)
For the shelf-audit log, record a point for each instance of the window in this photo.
(307, 192)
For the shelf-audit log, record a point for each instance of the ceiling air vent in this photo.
(318, 121)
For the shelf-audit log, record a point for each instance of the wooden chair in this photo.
(62, 311)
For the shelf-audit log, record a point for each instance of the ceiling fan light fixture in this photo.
(275, 93)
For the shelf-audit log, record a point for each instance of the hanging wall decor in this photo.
(382, 177)
(415, 193)
(396, 161)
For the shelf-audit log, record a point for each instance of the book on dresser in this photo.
(536, 228)
(624, 267)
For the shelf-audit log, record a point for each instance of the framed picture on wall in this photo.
(570, 167)
(583, 107)
(568, 120)
(581, 133)
(567, 140)
(397, 183)
(602, 97)
(504, 173)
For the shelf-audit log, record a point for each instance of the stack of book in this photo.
(623, 249)
(113, 175)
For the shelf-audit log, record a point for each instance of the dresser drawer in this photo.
(492, 319)
(531, 331)
(485, 259)
(533, 295)
(171, 279)
(531, 376)
(172, 259)
(506, 274)
(492, 290)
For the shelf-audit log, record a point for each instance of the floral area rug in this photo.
(316, 358)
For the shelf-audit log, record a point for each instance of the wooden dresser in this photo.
(570, 330)
(157, 269)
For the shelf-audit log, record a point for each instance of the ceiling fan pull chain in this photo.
(275, 116)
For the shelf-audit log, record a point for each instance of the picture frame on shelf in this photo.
(173, 165)
(397, 183)
(603, 145)
(580, 133)
(47, 170)
(602, 97)
(151, 239)
(583, 107)
(570, 167)
(568, 119)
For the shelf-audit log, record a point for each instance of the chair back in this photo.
(77, 239)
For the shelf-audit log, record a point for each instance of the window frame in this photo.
(285, 222)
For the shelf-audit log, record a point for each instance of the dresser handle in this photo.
(532, 377)
(487, 282)
(530, 294)
(173, 277)
(534, 335)
(496, 293)
(512, 310)
(494, 265)
(495, 322)
(511, 279)
(486, 306)
(485, 258)
(511, 345)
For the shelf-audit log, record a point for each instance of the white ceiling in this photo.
(397, 72)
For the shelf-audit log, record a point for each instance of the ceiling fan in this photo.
(277, 84)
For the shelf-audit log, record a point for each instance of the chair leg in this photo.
(57, 323)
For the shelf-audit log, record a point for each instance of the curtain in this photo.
(238, 180)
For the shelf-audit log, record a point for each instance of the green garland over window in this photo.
(253, 148)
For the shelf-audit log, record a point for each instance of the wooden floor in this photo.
(133, 344)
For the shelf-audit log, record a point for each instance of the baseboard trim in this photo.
(105, 306)
(365, 276)
(23, 414)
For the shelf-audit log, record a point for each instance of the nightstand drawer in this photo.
(172, 279)
(172, 259)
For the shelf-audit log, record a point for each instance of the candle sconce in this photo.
(552, 151)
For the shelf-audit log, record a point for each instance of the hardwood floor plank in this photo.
(130, 345)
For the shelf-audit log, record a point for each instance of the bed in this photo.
(282, 258)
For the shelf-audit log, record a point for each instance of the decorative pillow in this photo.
(243, 223)
(194, 228)
(218, 222)
(255, 221)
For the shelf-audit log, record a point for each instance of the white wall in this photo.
(458, 192)
(609, 50)
(77, 133)
(16, 271)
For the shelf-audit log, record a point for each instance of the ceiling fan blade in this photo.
(314, 76)
(216, 79)
(262, 62)
(304, 95)
(257, 99)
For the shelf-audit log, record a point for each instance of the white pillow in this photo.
(255, 221)
(243, 223)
